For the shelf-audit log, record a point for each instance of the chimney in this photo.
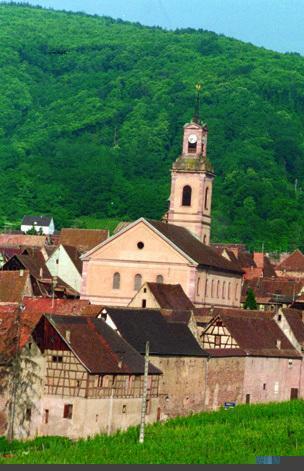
(258, 258)
(68, 335)
(21, 273)
(279, 344)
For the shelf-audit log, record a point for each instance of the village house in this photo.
(252, 361)
(85, 380)
(41, 224)
(291, 266)
(64, 263)
(173, 251)
(173, 349)
(162, 296)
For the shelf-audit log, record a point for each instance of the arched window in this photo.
(206, 198)
(187, 192)
(116, 281)
(137, 282)
(224, 290)
(229, 290)
(159, 279)
(218, 289)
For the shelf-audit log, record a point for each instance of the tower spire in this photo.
(197, 110)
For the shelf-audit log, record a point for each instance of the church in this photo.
(175, 250)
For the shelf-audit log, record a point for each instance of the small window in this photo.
(148, 406)
(57, 359)
(212, 289)
(205, 239)
(124, 408)
(144, 303)
(264, 386)
(247, 398)
(289, 363)
(116, 280)
(137, 282)
(187, 193)
(145, 290)
(68, 411)
(159, 279)
(28, 414)
(140, 245)
(29, 346)
(279, 317)
(198, 287)
(57, 261)
(46, 416)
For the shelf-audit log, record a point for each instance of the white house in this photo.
(43, 224)
(65, 264)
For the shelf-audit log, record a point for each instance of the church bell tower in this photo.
(192, 178)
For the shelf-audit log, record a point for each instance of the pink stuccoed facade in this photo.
(120, 258)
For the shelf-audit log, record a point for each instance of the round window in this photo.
(140, 245)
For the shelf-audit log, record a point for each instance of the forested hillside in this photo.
(91, 116)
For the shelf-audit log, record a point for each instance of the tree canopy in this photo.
(92, 111)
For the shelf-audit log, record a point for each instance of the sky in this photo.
(274, 24)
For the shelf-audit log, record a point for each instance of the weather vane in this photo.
(197, 111)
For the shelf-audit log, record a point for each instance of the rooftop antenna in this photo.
(197, 110)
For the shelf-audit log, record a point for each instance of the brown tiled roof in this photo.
(202, 254)
(170, 296)
(13, 286)
(35, 264)
(256, 333)
(295, 319)
(22, 240)
(295, 262)
(83, 239)
(99, 347)
(74, 255)
(268, 270)
(272, 289)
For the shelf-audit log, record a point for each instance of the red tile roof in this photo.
(295, 262)
(24, 240)
(73, 307)
(273, 289)
(83, 239)
(170, 296)
(13, 286)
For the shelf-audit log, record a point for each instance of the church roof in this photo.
(202, 254)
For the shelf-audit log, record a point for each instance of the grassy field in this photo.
(234, 436)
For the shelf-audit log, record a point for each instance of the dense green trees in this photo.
(91, 116)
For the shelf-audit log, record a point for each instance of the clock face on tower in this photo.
(192, 138)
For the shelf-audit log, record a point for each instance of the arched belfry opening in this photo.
(187, 195)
